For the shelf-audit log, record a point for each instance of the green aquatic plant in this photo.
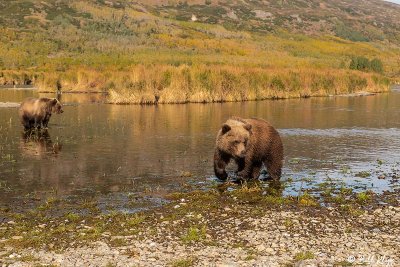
(363, 174)
(363, 197)
(307, 200)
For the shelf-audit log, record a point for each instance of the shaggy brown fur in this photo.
(36, 112)
(250, 142)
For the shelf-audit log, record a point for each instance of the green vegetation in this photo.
(343, 263)
(307, 255)
(182, 263)
(194, 234)
(364, 64)
(363, 174)
(145, 52)
(48, 229)
(363, 197)
(348, 33)
(307, 200)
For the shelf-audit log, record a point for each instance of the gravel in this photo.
(238, 238)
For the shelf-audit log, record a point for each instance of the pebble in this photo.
(240, 239)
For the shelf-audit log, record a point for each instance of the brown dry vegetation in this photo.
(169, 84)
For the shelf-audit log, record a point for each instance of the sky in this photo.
(394, 1)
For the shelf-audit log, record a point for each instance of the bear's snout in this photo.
(241, 153)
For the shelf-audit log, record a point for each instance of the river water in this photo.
(115, 151)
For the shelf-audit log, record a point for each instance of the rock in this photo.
(269, 250)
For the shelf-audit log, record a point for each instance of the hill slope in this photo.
(355, 20)
(77, 42)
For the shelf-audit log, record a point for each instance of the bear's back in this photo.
(33, 106)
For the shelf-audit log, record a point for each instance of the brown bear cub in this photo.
(36, 112)
(250, 142)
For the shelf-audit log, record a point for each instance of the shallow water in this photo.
(116, 151)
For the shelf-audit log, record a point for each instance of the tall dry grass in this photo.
(13, 77)
(149, 84)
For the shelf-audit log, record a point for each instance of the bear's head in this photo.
(233, 138)
(56, 106)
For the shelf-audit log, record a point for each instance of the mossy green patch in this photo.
(184, 262)
(195, 234)
(306, 255)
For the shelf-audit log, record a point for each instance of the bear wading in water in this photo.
(36, 112)
(250, 142)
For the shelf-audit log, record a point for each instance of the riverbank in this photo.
(164, 84)
(244, 227)
(211, 83)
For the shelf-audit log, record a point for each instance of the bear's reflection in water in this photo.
(38, 143)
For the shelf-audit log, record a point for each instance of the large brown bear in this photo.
(250, 142)
(36, 112)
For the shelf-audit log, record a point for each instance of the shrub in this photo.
(346, 33)
(364, 64)
(376, 65)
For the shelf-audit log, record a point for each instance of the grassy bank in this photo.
(204, 83)
(11, 78)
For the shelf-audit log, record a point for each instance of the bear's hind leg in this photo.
(274, 168)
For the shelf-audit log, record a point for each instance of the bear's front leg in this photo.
(220, 162)
(46, 121)
(248, 171)
(37, 123)
(256, 170)
(26, 123)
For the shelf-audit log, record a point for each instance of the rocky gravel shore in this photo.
(227, 233)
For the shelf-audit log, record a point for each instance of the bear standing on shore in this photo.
(250, 142)
(36, 112)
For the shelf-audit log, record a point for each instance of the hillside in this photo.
(353, 20)
(120, 46)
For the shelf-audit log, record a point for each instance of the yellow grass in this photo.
(144, 84)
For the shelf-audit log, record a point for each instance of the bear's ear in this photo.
(247, 126)
(54, 101)
(225, 128)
